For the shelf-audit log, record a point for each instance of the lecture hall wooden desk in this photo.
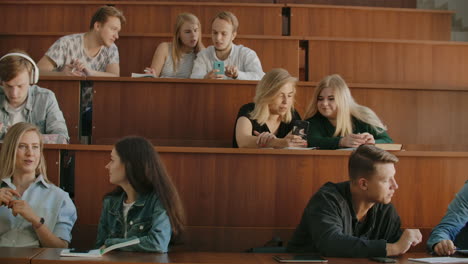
(51, 256)
(18, 255)
(227, 191)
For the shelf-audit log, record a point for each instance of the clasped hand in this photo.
(21, 207)
(76, 68)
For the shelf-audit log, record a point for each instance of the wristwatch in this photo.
(41, 222)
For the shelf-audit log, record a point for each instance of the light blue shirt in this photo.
(453, 221)
(41, 109)
(47, 201)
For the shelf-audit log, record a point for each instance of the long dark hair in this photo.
(146, 173)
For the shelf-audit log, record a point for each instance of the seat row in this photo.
(240, 198)
(256, 19)
(414, 115)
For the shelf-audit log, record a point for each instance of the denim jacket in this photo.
(453, 222)
(41, 109)
(146, 220)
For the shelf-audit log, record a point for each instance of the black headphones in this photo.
(34, 78)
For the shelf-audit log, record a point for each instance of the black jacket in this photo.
(329, 226)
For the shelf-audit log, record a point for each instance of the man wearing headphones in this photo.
(21, 100)
(87, 54)
(355, 218)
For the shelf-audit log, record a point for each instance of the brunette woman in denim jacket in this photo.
(144, 205)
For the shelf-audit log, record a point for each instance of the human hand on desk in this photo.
(353, 140)
(444, 248)
(295, 141)
(151, 71)
(369, 138)
(264, 139)
(231, 71)
(410, 237)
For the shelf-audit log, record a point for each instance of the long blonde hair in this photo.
(347, 108)
(177, 45)
(10, 147)
(266, 91)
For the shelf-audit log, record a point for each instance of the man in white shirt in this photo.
(240, 62)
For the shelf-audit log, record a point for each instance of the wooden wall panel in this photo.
(39, 16)
(136, 51)
(352, 22)
(413, 116)
(254, 19)
(52, 157)
(208, 112)
(227, 189)
(373, 3)
(426, 64)
(67, 93)
(142, 17)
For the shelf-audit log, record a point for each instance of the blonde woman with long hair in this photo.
(337, 121)
(33, 211)
(175, 59)
(268, 121)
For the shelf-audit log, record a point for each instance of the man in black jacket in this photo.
(355, 218)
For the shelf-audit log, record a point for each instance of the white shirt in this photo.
(126, 208)
(16, 114)
(247, 62)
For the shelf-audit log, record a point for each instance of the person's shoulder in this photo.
(246, 109)
(56, 191)
(316, 118)
(37, 91)
(335, 190)
(243, 50)
(207, 51)
(72, 37)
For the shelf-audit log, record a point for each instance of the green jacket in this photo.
(321, 132)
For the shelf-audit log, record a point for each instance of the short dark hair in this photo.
(362, 161)
(104, 12)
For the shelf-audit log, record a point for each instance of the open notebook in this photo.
(97, 253)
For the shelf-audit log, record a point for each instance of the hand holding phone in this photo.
(301, 128)
(219, 65)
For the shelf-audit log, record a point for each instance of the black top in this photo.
(329, 226)
(283, 129)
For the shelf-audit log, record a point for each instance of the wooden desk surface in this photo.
(51, 256)
(18, 255)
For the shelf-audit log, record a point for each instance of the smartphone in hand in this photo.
(301, 128)
(219, 65)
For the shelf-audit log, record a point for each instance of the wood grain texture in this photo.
(371, 3)
(136, 50)
(18, 255)
(52, 157)
(412, 115)
(51, 256)
(385, 23)
(142, 17)
(426, 64)
(248, 195)
(67, 93)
